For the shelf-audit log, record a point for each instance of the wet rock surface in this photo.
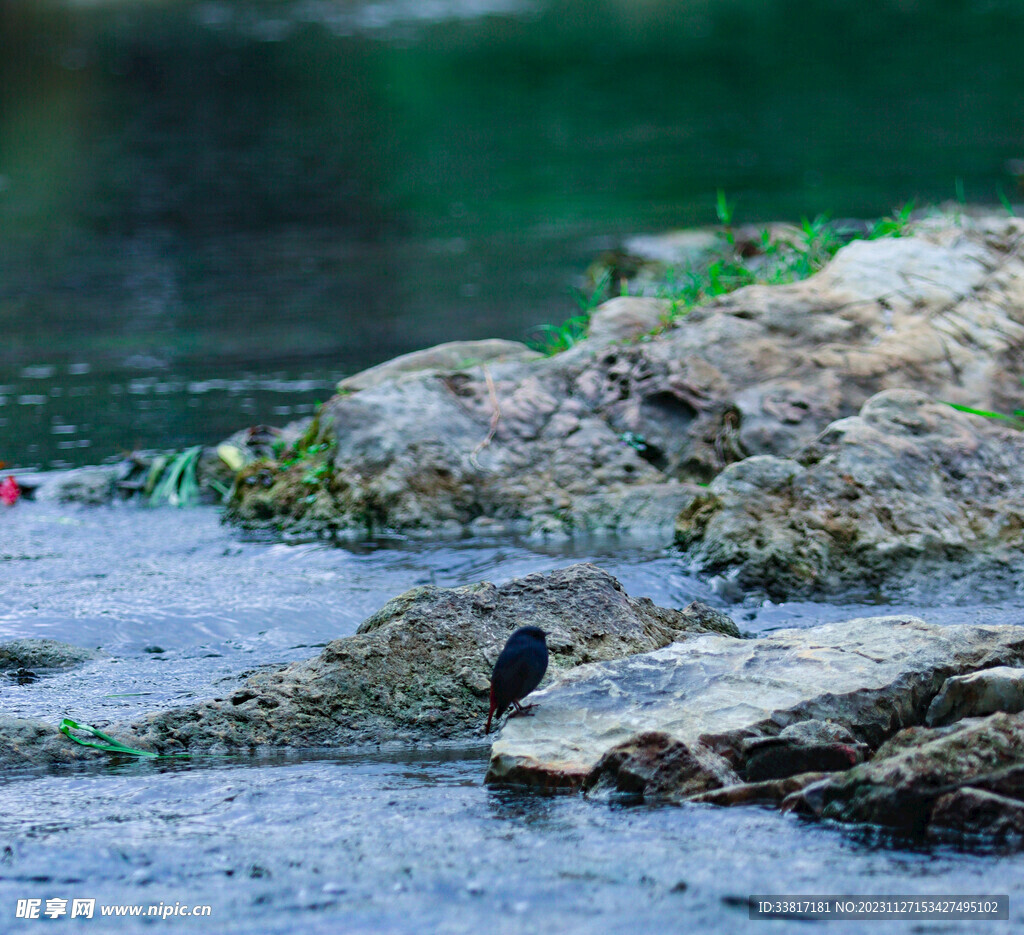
(31, 742)
(557, 444)
(767, 792)
(654, 766)
(419, 668)
(867, 678)
(908, 495)
(951, 777)
(31, 654)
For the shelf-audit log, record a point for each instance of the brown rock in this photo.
(656, 767)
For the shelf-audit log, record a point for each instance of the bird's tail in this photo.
(490, 713)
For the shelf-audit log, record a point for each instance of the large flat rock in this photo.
(872, 675)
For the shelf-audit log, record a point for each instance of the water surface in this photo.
(273, 194)
(402, 842)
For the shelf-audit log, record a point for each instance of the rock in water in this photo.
(923, 778)
(870, 676)
(520, 667)
(611, 434)
(909, 495)
(415, 670)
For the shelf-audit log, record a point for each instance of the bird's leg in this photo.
(522, 710)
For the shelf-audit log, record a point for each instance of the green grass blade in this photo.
(112, 745)
(108, 744)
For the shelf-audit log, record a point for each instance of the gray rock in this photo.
(33, 653)
(419, 668)
(873, 676)
(450, 357)
(92, 486)
(680, 248)
(626, 318)
(557, 444)
(978, 694)
(907, 495)
(25, 742)
(639, 509)
(814, 732)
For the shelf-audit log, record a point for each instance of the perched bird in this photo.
(518, 671)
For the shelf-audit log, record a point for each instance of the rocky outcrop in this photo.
(967, 777)
(907, 492)
(419, 668)
(559, 444)
(859, 681)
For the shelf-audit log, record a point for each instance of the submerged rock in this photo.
(869, 677)
(906, 493)
(558, 445)
(419, 668)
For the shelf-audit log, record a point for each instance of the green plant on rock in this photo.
(898, 224)
(1015, 419)
(553, 339)
(771, 260)
(172, 478)
(299, 454)
(317, 474)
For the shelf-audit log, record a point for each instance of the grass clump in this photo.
(774, 256)
(172, 479)
(1016, 419)
(553, 339)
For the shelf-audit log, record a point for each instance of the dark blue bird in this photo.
(518, 671)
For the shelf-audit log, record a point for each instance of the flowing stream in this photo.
(380, 841)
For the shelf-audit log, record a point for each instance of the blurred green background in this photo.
(210, 211)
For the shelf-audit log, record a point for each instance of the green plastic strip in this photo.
(109, 745)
